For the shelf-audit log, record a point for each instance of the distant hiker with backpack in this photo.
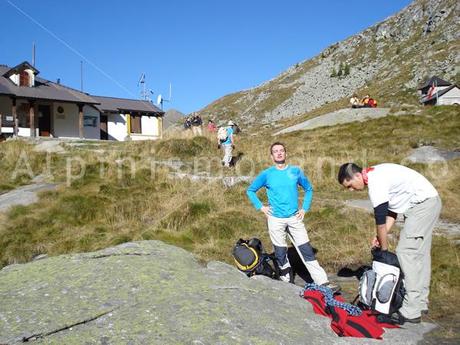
(354, 101)
(188, 123)
(372, 103)
(283, 214)
(211, 127)
(226, 142)
(397, 189)
(196, 125)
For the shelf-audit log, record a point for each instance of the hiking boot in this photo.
(401, 319)
(286, 278)
(334, 287)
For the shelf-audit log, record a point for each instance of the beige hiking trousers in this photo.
(414, 254)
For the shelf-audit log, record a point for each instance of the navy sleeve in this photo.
(380, 213)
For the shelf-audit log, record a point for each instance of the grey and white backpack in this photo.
(381, 288)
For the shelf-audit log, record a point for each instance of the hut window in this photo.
(24, 79)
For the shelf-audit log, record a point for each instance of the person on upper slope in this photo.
(227, 144)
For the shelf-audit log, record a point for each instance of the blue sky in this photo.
(205, 48)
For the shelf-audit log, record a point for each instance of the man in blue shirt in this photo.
(281, 182)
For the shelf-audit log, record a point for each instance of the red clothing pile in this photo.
(345, 325)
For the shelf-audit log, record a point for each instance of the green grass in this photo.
(18, 164)
(102, 210)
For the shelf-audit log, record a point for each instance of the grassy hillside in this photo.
(125, 194)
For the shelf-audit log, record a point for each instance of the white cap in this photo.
(230, 123)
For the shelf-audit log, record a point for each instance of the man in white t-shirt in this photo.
(397, 189)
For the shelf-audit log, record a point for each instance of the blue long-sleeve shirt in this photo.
(282, 190)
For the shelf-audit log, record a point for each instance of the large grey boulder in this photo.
(431, 154)
(152, 293)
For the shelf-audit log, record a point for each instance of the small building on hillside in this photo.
(126, 118)
(34, 107)
(436, 91)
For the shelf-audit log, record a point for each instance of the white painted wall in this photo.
(440, 88)
(451, 97)
(117, 127)
(65, 124)
(31, 77)
(138, 137)
(15, 79)
(150, 125)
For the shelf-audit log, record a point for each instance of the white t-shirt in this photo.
(400, 186)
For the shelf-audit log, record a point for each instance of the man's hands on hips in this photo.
(266, 210)
(300, 214)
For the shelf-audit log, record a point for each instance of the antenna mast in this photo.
(145, 93)
(161, 100)
(33, 54)
(81, 76)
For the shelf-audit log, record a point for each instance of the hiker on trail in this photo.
(372, 103)
(196, 125)
(211, 126)
(397, 189)
(281, 182)
(365, 101)
(354, 101)
(236, 128)
(188, 122)
(226, 141)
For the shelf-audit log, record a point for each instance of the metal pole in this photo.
(33, 54)
(81, 76)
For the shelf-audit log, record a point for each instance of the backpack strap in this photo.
(329, 299)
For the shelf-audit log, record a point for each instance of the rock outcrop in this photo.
(338, 117)
(152, 293)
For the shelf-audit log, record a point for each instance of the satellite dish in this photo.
(159, 100)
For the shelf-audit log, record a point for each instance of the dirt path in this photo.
(443, 228)
(24, 195)
(338, 117)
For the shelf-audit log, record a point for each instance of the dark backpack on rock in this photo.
(251, 259)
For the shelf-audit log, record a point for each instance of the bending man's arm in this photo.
(384, 220)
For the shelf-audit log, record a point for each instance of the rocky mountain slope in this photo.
(388, 60)
(172, 118)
